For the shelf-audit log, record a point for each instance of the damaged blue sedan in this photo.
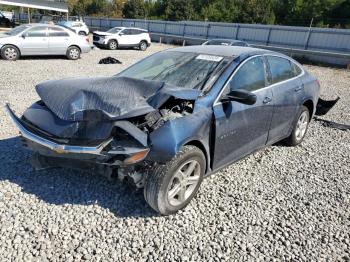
(171, 119)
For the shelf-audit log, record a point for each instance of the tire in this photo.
(10, 52)
(143, 46)
(301, 125)
(73, 53)
(82, 33)
(163, 190)
(112, 45)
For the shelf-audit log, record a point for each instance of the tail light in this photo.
(318, 83)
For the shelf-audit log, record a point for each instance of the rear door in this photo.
(241, 129)
(35, 41)
(288, 92)
(58, 41)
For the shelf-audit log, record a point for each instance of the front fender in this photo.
(167, 140)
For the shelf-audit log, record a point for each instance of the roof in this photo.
(219, 50)
(58, 6)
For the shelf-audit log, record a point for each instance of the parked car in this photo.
(173, 118)
(77, 26)
(5, 20)
(226, 42)
(119, 37)
(42, 39)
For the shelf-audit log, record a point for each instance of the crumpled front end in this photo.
(100, 130)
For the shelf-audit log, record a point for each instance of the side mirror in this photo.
(242, 96)
(121, 34)
(24, 35)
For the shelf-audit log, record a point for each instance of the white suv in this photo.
(77, 26)
(123, 37)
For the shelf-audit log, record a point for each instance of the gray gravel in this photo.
(278, 204)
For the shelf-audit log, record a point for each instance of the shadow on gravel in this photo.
(65, 186)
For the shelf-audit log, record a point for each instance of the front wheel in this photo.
(112, 45)
(73, 53)
(171, 187)
(300, 127)
(10, 52)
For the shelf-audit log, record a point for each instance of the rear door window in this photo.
(57, 32)
(281, 69)
(251, 76)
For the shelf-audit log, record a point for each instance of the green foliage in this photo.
(325, 13)
(134, 9)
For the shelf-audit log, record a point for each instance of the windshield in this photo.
(190, 70)
(114, 30)
(17, 30)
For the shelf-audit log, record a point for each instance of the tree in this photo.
(179, 10)
(134, 9)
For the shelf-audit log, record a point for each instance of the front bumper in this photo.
(105, 153)
(58, 148)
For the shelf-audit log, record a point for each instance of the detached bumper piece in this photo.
(107, 153)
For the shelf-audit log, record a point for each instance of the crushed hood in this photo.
(107, 98)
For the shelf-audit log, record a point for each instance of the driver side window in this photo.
(251, 76)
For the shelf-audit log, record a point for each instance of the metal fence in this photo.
(322, 44)
(317, 44)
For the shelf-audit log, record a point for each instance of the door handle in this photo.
(267, 100)
(299, 88)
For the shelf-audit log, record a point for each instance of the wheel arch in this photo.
(201, 146)
(74, 46)
(309, 104)
(19, 50)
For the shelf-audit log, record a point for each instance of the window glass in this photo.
(39, 31)
(297, 70)
(127, 32)
(178, 69)
(57, 32)
(251, 76)
(281, 69)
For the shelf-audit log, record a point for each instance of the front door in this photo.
(241, 129)
(35, 41)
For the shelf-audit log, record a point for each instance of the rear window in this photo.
(281, 69)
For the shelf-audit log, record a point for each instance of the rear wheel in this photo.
(300, 127)
(143, 46)
(10, 52)
(112, 45)
(171, 187)
(73, 53)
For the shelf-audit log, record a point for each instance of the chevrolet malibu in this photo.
(172, 119)
(42, 39)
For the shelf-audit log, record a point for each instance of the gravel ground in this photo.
(278, 204)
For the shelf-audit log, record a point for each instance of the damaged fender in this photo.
(166, 141)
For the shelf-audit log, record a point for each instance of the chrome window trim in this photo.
(217, 100)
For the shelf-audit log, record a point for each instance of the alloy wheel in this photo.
(184, 182)
(302, 125)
